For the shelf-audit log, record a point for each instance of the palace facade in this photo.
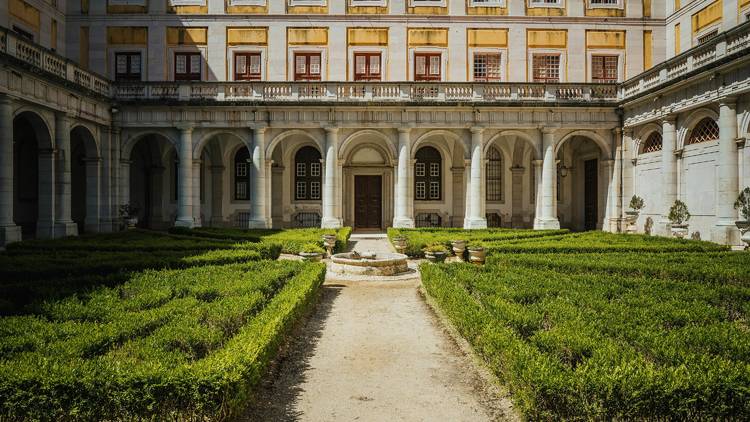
(372, 113)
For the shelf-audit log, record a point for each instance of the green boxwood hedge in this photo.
(291, 240)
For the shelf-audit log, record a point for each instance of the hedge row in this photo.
(579, 345)
(291, 240)
(169, 344)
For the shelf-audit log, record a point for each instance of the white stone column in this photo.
(185, 179)
(125, 183)
(668, 170)
(105, 184)
(726, 231)
(402, 217)
(92, 221)
(537, 169)
(217, 195)
(610, 220)
(516, 200)
(45, 224)
(548, 217)
(258, 192)
(64, 225)
(9, 231)
(197, 220)
(476, 219)
(330, 184)
(615, 186)
(115, 174)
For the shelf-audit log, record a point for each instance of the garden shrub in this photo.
(291, 240)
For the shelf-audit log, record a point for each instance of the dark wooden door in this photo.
(590, 194)
(368, 202)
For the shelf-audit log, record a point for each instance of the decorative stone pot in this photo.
(400, 244)
(459, 246)
(329, 242)
(630, 218)
(477, 255)
(131, 222)
(435, 257)
(679, 231)
(744, 227)
(311, 256)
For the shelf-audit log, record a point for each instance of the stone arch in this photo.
(312, 138)
(86, 135)
(642, 135)
(523, 136)
(689, 123)
(595, 137)
(132, 139)
(149, 177)
(354, 141)
(85, 167)
(214, 134)
(41, 126)
(745, 124)
(428, 139)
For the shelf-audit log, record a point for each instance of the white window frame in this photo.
(175, 3)
(428, 3)
(705, 31)
(368, 3)
(503, 60)
(112, 66)
(547, 51)
(559, 4)
(443, 60)
(126, 2)
(369, 49)
(488, 3)
(262, 49)
(619, 5)
(21, 25)
(187, 49)
(605, 52)
(307, 2)
(323, 50)
(247, 2)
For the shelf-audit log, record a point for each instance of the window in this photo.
(604, 69)
(494, 186)
(428, 220)
(247, 66)
(493, 219)
(23, 33)
(546, 67)
(705, 131)
(545, 3)
(487, 67)
(307, 66)
(427, 174)
(487, 3)
(127, 66)
(307, 174)
(707, 36)
(653, 143)
(187, 66)
(241, 174)
(427, 66)
(367, 67)
(605, 2)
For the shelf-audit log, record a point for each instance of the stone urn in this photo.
(477, 255)
(329, 242)
(400, 243)
(311, 256)
(458, 246)
(630, 219)
(435, 257)
(744, 227)
(131, 222)
(679, 231)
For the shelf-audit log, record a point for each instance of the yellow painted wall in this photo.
(648, 49)
(245, 10)
(605, 39)
(187, 10)
(307, 36)
(707, 16)
(487, 37)
(115, 8)
(646, 8)
(485, 11)
(367, 36)
(542, 38)
(677, 39)
(247, 36)
(25, 12)
(306, 10)
(605, 12)
(127, 35)
(428, 10)
(435, 37)
(366, 10)
(84, 7)
(187, 36)
(743, 4)
(677, 5)
(546, 11)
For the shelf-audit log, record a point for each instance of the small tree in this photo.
(678, 213)
(637, 203)
(743, 204)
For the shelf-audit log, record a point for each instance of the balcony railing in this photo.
(425, 92)
(736, 41)
(49, 61)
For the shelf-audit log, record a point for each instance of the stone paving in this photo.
(373, 350)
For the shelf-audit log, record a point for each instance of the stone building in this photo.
(371, 113)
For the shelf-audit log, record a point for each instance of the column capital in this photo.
(669, 118)
(628, 131)
(548, 129)
(537, 163)
(405, 129)
(6, 99)
(184, 127)
(259, 128)
(63, 115)
(477, 129)
(126, 162)
(728, 100)
(331, 129)
(517, 169)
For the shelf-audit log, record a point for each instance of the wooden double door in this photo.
(368, 202)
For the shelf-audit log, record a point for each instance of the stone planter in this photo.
(630, 219)
(131, 222)
(436, 257)
(400, 244)
(311, 256)
(679, 231)
(458, 246)
(329, 242)
(744, 227)
(477, 255)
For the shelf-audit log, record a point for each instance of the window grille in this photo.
(705, 131)
(308, 179)
(241, 181)
(653, 143)
(493, 219)
(428, 220)
(494, 186)
(546, 67)
(428, 186)
(604, 69)
(487, 67)
(307, 219)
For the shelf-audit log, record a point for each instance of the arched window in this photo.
(706, 130)
(241, 174)
(307, 174)
(428, 175)
(653, 143)
(494, 187)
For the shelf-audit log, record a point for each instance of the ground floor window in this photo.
(428, 220)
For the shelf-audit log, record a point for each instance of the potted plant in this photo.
(743, 205)
(311, 252)
(631, 216)
(435, 253)
(458, 246)
(400, 243)
(678, 216)
(129, 215)
(329, 241)
(477, 253)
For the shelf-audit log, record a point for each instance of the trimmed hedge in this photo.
(291, 240)
(169, 344)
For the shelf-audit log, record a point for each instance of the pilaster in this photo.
(64, 225)
(9, 231)
(725, 231)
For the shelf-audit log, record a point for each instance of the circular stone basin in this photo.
(369, 264)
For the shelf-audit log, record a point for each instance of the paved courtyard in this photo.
(374, 350)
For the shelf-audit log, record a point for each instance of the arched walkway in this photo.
(85, 168)
(152, 176)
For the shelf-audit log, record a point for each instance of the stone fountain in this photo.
(367, 263)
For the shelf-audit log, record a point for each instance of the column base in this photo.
(540, 224)
(184, 222)
(330, 223)
(65, 229)
(9, 234)
(259, 224)
(403, 223)
(726, 233)
(45, 230)
(475, 223)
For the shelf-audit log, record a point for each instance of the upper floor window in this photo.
(604, 69)
(438, 3)
(241, 174)
(604, 3)
(247, 66)
(653, 143)
(23, 33)
(546, 67)
(487, 67)
(427, 66)
(187, 66)
(707, 36)
(187, 2)
(428, 174)
(307, 174)
(307, 66)
(128, 66)
(706, 130)
(367, 67)
(494, 187)
(546, 3)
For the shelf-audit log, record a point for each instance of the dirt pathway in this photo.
(374, 351)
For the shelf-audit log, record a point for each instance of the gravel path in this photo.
(374, 351)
